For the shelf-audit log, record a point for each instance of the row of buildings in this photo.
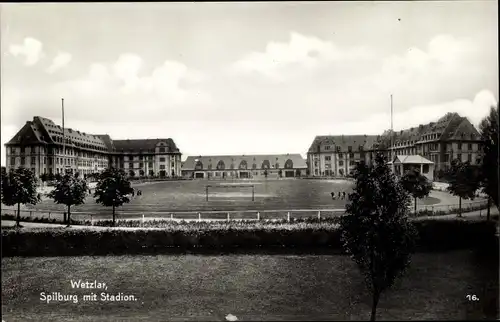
(41, 146)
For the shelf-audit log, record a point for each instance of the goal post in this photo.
(236, 188)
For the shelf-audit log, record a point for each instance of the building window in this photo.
(349, 149)
(131, 165)
(469, 157)
(22, 149)
(243, 165)
(360, 148)
(352, 162)
(459, 157)
(141, 165)
(460, 146)
(341, 155)
(162, 167)
(197, 166)
(221, 165)
(12, 161)
(341, 163)
(425, 168)
(470, 146)
(162, 159)
(338, 149)
(328, 158)
(351, 155)
(162, 150)
(327, 147)
(23, 160)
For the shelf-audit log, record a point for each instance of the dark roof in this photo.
(28, 134)
(235, 160)
(343, 141)
(144, 145)
(444, 129)
(42, 130)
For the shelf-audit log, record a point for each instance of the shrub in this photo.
(281, 237)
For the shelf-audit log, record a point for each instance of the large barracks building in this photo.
(40, 146)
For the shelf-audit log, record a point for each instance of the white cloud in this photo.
(30, 49)
(475, 110)
(445, 56)
(303, 51)
(61, 60)
(121, 86)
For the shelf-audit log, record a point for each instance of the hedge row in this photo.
(230, 237)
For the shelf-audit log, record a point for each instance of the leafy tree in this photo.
(464, 181)
(113, 189)
(70, 191)
(19, 187)
(416, 185)
(489, 165)
(57, 177)
(141, 173)
(375, 230)
(50, 176)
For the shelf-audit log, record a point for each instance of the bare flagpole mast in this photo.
(64, 135)
(392, 131)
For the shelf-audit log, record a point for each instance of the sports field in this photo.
(178, 196)
(250, 287)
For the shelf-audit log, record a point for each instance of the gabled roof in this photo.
(28, 134)
(444, 129)
(342, 141)
(235, 160)
(462, 130)
(144, 145)
(42, 130)
(411, 159)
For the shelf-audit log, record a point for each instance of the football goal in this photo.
(229, 192)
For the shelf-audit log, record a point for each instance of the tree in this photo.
(57, 177)
(50, 176)
(141, 173)
(19, 187)
(464, 181)
(489, 165)
(112, 189)
(375, 230)
(308, 172)
(70, 191)
(416, 185)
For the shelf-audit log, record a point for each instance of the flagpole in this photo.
(64, 135)
(392, 131)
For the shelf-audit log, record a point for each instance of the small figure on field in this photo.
(343, 195)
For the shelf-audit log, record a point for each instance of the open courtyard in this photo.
(159, 199)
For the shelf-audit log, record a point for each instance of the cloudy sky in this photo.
(242, 78)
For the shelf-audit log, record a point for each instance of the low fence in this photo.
(288, 214)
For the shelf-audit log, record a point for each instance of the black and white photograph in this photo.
(250, 161)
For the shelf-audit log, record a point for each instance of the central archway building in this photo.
(244, 166)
